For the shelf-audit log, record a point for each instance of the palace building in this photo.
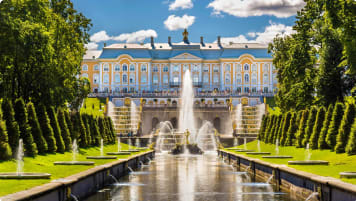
(233, 67)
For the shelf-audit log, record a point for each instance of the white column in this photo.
(160, 67)
(221, 76)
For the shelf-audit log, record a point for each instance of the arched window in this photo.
(247, 90)
(238, 67)
(132, 67)
(117, 89)
(254, 78)
(117, 78)
(143, 68)
(124, 78)
(96, 67)
(124, 67)
(155, 79)
(85, 67)
(227, 67)
(265, 67)
(265, 78)
(155, 68)
(176, 68)
(227, 78)
(216, 68)
(206, 78)
(96, 78)
(265, 90)
(254, 90)
(165, 69)
(106, 78)
(238, 89)
(247, 78)
(165, 79)
(106, 67)
(132, 78)
(196, 78)
(239, 78)
(216, 78)
(106, 90)
(143, 78)
(117, 67)
(254, 67)
(176, 79)
(246, 67)
(85, 75)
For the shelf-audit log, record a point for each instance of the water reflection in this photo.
(188, 178)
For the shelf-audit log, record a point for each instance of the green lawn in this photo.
(44, 164)
(337, 162)
(94, 106)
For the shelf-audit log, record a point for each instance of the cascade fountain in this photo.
(166, 140)
(74, 157)
(205, 138)
(307, 160)
(277, 156)
(101, 153)
(19, 174)
(119, 151)
(133, 117)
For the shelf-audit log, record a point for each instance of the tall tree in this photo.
(285, 128)
(11, 124)
(36, 129)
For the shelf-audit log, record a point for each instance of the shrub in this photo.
(262, 127)
(324, 130)
(285, 128)
(87, 128)
(46, 127)
(351, 144)
(102, 129)
(267, 130)
(36, 129)
(94, 131)
(280, 128)
(274, 127)
(293, 126)
(111, 129)
(310, 124)
(56, 130)
(64, 130)
(345, 128)
(278, 124)
(320, 117)
(68, 121)
(111, 139)
(11, 124)
(301, 129)
(334, 125)
(5, 149)
(82, 138)
(25, 129)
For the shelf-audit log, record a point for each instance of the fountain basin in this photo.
(347, 174)
(101, 157)
(118, 153)
(311, 162)
(258, 153)
(277, 157)
(244, 150)
(25, 175)
(74, 163)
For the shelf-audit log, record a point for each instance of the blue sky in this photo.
(133, 21)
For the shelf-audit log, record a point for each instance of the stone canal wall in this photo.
(300, 184)
(80, 185)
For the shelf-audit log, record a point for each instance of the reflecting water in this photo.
(187, 178)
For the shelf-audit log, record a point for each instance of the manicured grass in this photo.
(44, 164)
(94, 106)
(337, 162)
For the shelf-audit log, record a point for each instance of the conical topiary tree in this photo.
(334, 125)
(87, 128)
(324, 130)
(301, 129)
(280, 128)
(5, 149)
(68, 121)
(320, 117)
(25, 129)
(310, 125)
(345, 128)
(12, 127)
(278, 124)
(102, 129)
(285, 128)
(94, 130)
(293, 126)
(56, 130)
(268, 126)
(262, 127)
(110, 129)
(64, 130)
(82, 138)
(46, 127)
(274, 127)
(36, 129)
(351, 144)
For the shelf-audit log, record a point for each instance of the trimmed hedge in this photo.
(269, 122)
(310, 124)
(301, 129)
(36, 129)
(351, 145)
(12, 127)
(345, 128)
(334, 125)
(87, 128)
(102, 129)
(274, 127)
(278, 124)
(320, 117)
(56, 130)
(285, 127)
(46, 128)
(293, 126)
(262, 127)
(94, 130)
(5, 149)
(64, 130)
(322, 137)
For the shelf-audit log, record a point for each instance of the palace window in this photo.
(227, 67)
(143, 78)
(265, 67)
(227, 78)
(254, 90)
(206, 78)
(144, 68)
(132, 67)
(165, 69)
(195, 68)
(155, 79)
(124, 67)
(106, 90)
(96, 67)
(85, 67)
(106, 67)
(254, 79)
(246, 67)
(247, 90)
(165, 79)
(185, 67)
(176, 68)
(176, 79)
(124, 78)
(239, 78)
(206, 68)
(216, 69)
(265, 90)
(96, 78)
(216, 78)
(238, 67)
(155, 68)
(238, 89)
(85, 75)
(196, 78)
(106, 78)
(254, 67)
(117, 89)
(247, 78)
(117, 78)
(265, 78)
(132, 78)
(117, 67)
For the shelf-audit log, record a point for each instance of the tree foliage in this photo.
(5, 149)
(293, 126)
(309, 126)
(64, 130)
(351, 144)
(285, 128)
(320, 117)
(36, 129)
(46, 128)
(334, 125)
(324, 130)
(11, 124)
(301, 129)
(56, 129)
(345, 127)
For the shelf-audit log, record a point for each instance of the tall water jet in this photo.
(245, 143)
(101, 147)
(101, 152)
(74, 150)
(118, 144)
(133, 117)
(137, 143)
(260, 113)
(129, 143)
(258, 146)
(236, 142)
(19, 158)
(277, 147)
(307, 153)
(206, 138)
(74, 157)
(238, 117)
(186, 113)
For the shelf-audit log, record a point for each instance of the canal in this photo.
(187, 178)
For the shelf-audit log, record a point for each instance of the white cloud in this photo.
(265, 37)
(99, 37)
(91, 46)
(138, 36)
(246, 8)
(173, 22)
(183, 4)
